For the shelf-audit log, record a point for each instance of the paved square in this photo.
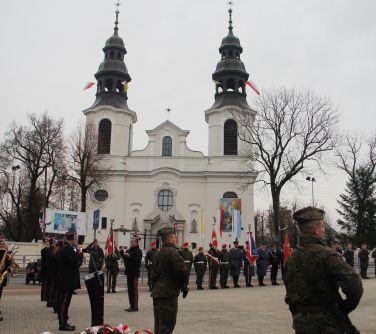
(245, 310)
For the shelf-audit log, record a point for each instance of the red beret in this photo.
(152, 244)
(224, 246)
(185, 244)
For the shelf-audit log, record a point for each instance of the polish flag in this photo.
(89, 85)
(253, 86)
(110, 243)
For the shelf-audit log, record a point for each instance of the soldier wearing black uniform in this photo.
(363, 258)
(224, 262)
(200, 264)
(188, 260)
(68, 275)
(96, 256)
(132, 262)
(274, 261)
(49, 275)
(43, 269)
(112, 267)
(213, 267)
(348, 254)
(169, 277)
(149, 262)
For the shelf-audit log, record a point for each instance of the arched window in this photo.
(104, 136)
(108, 85)
(230, 85)
(167, 146)
(230, 194)
(230, 138)
(165, 200)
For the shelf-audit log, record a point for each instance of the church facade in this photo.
(167, 183)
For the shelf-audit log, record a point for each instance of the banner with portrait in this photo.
(61, 221)
(230, 208)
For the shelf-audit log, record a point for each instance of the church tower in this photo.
(110, 113)
(230, 79)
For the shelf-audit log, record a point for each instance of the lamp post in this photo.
(312, 179)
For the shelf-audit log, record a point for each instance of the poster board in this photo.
(61, 221)
(227, 206)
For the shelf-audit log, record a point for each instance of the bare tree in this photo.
(358, 204)
(291, 129)
(87, 168)
(35, 148)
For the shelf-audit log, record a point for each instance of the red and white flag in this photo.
(89, 85)
(253, 86)
(286, 248)
(251, 249)
(110, 243)
(214, 239)
(211, 257)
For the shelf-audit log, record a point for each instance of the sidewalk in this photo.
(258, 310)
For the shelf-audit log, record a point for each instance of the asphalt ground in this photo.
(244, 310)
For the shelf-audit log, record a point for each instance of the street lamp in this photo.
(312, 179)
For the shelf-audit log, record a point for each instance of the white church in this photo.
(167, 183)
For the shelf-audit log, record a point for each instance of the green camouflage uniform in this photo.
(200, 263)
(224, 258)
(169, 276)
(188, 259)
(314, 274)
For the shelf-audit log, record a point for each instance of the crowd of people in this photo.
(61, 260)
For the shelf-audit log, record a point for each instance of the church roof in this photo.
(169, 124)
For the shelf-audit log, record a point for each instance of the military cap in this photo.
(70, 235)
(308, 214)
(166, 231)
(236, 242)
(200, 248)
(185, 244)
(153, 243)
(224, 246)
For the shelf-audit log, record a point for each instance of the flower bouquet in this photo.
(107, 329)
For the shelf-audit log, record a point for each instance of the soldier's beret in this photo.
(185, 244)
(166, 231)
(152, 244)
(70, 235)
(224, 246)
(308, 214)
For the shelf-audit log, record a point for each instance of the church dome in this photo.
(114, 41)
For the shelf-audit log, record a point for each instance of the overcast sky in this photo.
(51, 49)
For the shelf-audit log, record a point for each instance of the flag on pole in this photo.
(110, 242)
(202, 226)
(237, 223)
(286, 248)
(253, 86)
(89, 85)
(214, 239)
(252, 252)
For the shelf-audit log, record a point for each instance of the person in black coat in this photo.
(363, 258)
(96, 256)
(68, 276)
(348, 254)
(43, 269)
(132, 262)
(236, 262)
(274, 260)
(262, 263)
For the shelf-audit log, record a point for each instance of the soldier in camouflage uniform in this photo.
(200, 263)
(224, 260)
(213, 267)
(314, 274)
(149, 262)
(188, 260)
(169, 277)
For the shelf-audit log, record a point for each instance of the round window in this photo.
(165, 200)
(101, 195)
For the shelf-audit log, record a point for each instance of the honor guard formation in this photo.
(312, 273)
